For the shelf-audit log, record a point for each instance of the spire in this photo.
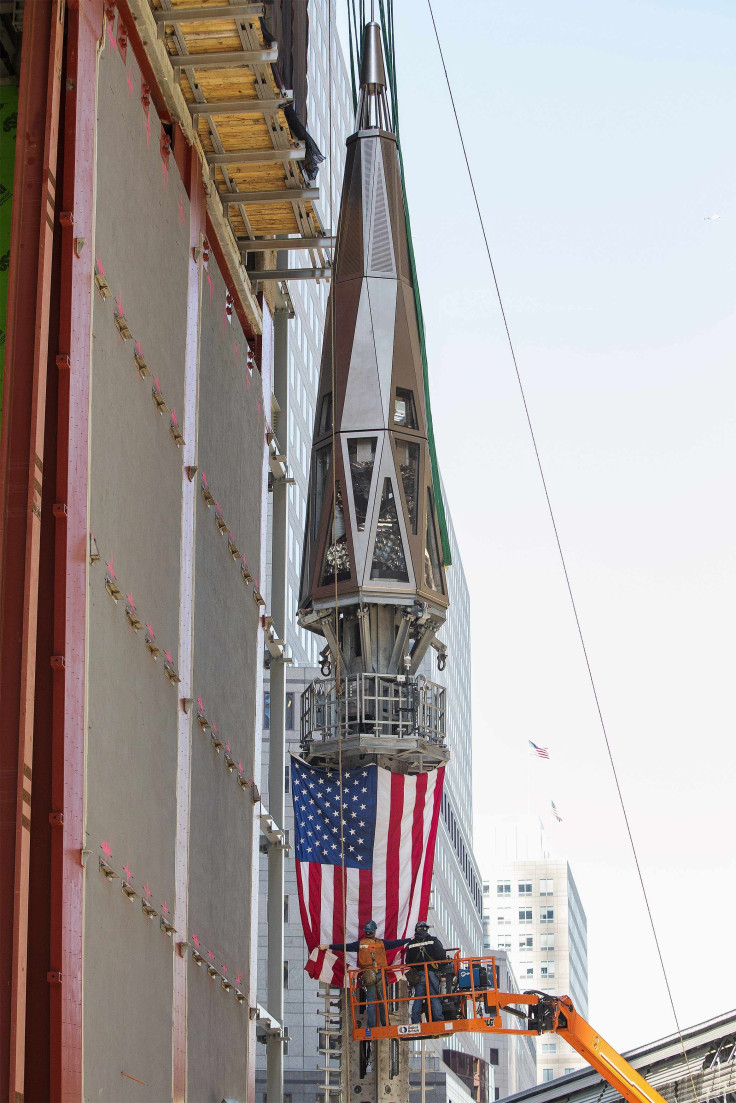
(371, 521)
(373, 110)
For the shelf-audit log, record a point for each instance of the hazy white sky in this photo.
(600, 137)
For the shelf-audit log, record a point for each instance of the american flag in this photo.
(555, 813)
(389, 824)
(543, 752)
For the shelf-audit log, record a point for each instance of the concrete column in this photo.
(277, 731)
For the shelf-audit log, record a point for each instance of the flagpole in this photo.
(528, 783)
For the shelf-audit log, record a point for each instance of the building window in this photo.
(496, 1093)
(286, 974)
(568, 1071)
(547, 969)
(503, 888)
(549, 1047)
(525, 888)
(504, 942)
(503, 915)
(494, 1052)
(545, 886)
(526, 968)
(286, 909)
(547, 1075)
(404, 409)
(525, 915)
(526, 942)
(266, 710)
(289, 724)
(547, 942)
(547, 914)
(486, 887)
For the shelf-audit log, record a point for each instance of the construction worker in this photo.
(423, 950)
(371, 953)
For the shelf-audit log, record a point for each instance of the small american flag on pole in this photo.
(555, 813)
(542, 752)
(389, 826)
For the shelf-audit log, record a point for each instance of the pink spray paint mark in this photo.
(238, 978)
(119, 303)
(106, 848)
(100, 266)
(214, 727)
(210, 955)
(217, 507)
(224, 970)
(204, 480)
(165, 167)
(173, 415)
(131, 603)
(168, 657)
(111, 36)
(240, 766)
(129, 81)
(128, 874)
(181, 211)
(195, 941)
(209, 281)
(227, 748)
(138, 348)
(200, 702)
(149, 628)
(247, 386)
(110, 567)
(235, 346)
(165, 909)
(155, 383)
(147, 891)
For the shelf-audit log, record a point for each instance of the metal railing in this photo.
(391, 706)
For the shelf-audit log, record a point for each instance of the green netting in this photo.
(8, 126)
(356, 22)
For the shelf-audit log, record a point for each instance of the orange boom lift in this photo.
(475, 1003)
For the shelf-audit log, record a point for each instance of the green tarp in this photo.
(8, 129)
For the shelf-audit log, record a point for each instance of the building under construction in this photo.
(154, 153)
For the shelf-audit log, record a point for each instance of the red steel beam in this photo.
(21, 476)
(85, 27)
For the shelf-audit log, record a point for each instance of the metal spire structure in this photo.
(373, 583)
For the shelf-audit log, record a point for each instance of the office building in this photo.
(532, 911)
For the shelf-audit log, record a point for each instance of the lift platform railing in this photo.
(467, 992)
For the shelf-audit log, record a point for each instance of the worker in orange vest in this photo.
(371, 953)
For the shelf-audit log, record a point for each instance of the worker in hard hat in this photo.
(426, 955)
(371, 953)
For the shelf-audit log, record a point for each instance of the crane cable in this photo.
(559, 546)
(344, 1010)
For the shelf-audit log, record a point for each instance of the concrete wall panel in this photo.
(231, 450)
(135, 515)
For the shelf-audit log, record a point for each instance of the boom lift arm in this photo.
(557, 1014)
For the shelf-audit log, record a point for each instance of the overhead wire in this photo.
(558, 541)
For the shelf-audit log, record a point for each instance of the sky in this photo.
(600, 136)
